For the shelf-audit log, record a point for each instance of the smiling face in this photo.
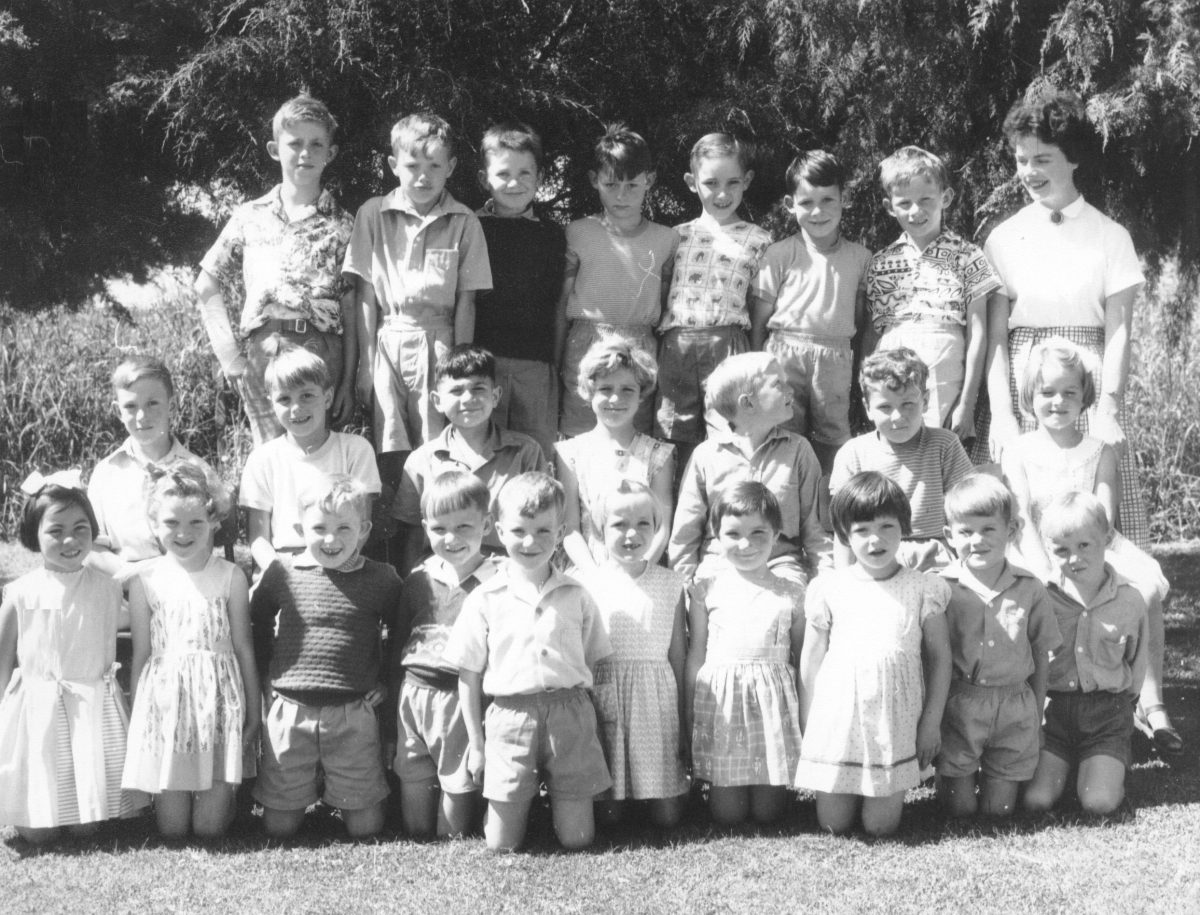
(423, 173)
(333, 538)
(917, 205)
(897, 415)
(1058, 398)
(1078, 555)
(145, 411)
(874, 544)
(529, 540)
(622, 198)
(456, 536)
(64, 536)
(185, 530)
(629, 528)
(467, 403)
(302, 149)
(512, 177)
(719, 182)
(301, 412)
(1045, 172)
(981, 540)
(818, 210)
(746, 541)
(615, 398)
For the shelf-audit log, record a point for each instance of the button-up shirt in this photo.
(1104, 642)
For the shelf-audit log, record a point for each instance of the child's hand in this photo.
(375, 697)
(251, 728)
(343, 404)
(929, 740)
(962, 422)
(1003, 431)
(475, 763)
(236, 368)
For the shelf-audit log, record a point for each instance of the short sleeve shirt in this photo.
(813, 291)
(289, 270)
(714, 269)
(1104, 643)
(618, 278)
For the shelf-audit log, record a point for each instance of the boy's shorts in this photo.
(577, 416)
(943, 348)
(1082, 725)
(433, 739)
(405, 359)
(300, 742)
(548, 736)
(924, 554)
(528, 400)
(252, 386)
(820, 371)
(993, 728)
(686, 357)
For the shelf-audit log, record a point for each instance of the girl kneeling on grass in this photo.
(872, 718)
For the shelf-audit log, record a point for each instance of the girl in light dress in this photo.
(196, 705)
(63, 719)
(875, 668)
(615, 376)
(1058, 385)
(747, 625)
(637, 688)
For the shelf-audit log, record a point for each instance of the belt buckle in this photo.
(301, 325)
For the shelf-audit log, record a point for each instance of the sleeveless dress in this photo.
(186, 730)
(599, 469)
(637, 698)
(861, 736)
(63, 719)
(746, 714)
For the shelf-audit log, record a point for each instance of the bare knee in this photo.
(362, 824)
(665, 813)
(282, 824)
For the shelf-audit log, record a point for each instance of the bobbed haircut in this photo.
(35, 509)
(1071, 512)
(290, 366)
(531, 493)
(894, 369)
(300, 109)
(187, 480)
(513, 136)
(626, 491)
(818, 167)
(415, 133)
(1055, 117)
(749, 497)
(980, 495)
(737, 375)
(722, 146)
(1071, 357)
(622, 152)
(139, 368)
(909, 162)
(335, 493)
(465, 360)
(865, 497)
(454, 491)
(609, 354)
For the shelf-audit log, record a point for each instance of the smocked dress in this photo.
(861, 733)
(186, 730)
(746, 715)
(637, 697)
(63, 719)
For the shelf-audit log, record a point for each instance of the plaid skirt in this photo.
(1131, 520)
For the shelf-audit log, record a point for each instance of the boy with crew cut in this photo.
(928, 289)
(527, 254)
(530, 637)
(1002, 631)
(284, 251)
(418, 257)
(466, 393)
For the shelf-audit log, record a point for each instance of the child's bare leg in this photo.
(458, 814)
(767, 802)
(1048, 783)
(729, 805)
(1101, 784)
(38, 835)
(282, 824)
(837, 813)
(173, 813)
(957, 794)
(419, 807)
(505, 825)
(666, 812)
(1151, 698)
(997, 796)
(366, 822)
(212, 810)
(574, 822)
(881, 815)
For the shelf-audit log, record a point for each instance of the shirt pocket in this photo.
(440, 275)
(1108, 650)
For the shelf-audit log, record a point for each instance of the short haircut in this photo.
(894, 369)
(514, 136)
(1069, 356)
(980, 494)
(415, 133)
(454, 491)
(748, 497)
(36, 505)
(1071, 512)
(531, 493)
(627, 489)
(909, 162)
(138, 368)
(187, 480)
(334, 493)
(465, 360)
(722, 146)
(1053, 116)
(734, 377)
(818, 167)
(299, 109)
(622, 152)
(865, 497)
(609, 354)
(290, 366)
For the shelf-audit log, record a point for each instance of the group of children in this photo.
(577, 613)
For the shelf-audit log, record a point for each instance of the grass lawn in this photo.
(1146, 859)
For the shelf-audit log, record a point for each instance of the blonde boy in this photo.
(1002, 630)
(706, 318)
(530, 637)
(418, 257)
(928, 289)
(810, 296)
(286, 250)
(751, 393)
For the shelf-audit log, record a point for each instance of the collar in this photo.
(489, 209)
(450, 444)
(446, 205)
(914, 442)
(729, 438)
(1113, 582)
(904, 241)
(502, 580)
(174, 454)
(956, 571)
(1072, 210)
(441, 571)
(326, 204)
(823, 252)
(305, 561)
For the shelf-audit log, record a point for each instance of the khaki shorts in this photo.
(1082, 725)
(993, 728)
(929, 554)
(252, 385)
(528, 400)
(686, 357)
(820, 371)
(548, 736)
(302, 742)
(576, 415)
(403, 380)
(943, 348)
(433, 739)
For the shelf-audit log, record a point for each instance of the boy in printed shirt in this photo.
(284, 251)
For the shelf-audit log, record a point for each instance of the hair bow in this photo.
(35, 482)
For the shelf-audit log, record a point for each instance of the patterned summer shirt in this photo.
(714, 269)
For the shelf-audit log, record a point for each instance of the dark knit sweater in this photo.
(515, 318)
(326, 647)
